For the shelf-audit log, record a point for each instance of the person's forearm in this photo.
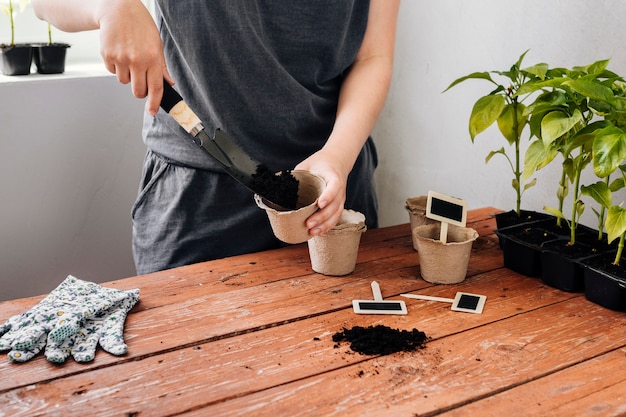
(366, 86)
(78, 15)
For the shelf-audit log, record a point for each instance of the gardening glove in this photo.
(106, 328)
(58, 316)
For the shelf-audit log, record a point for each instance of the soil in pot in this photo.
(16, 59)
(521, 248)
(290, 225)
(281, 189)
(50, 58)
(559, 265)
(510, 218)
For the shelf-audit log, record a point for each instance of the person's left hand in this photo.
(333, 198)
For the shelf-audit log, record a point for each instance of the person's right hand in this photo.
(131, 48)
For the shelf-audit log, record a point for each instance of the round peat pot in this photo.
(416, 206)
(335, 252)
(444, 263)
(289, 225)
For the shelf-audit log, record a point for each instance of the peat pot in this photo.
(416, 206)
(289, 225)
(335, 252)
(444, 263)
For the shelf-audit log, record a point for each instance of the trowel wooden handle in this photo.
(173, 103)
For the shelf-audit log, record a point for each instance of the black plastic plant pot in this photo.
(605, 283)
(560, 266)
(16, 59)
(522, 246)
(510, 218)
(50, 58)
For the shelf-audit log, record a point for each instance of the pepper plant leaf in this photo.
(483, 75)
(484, 113)
(609, 150)
(557, 123)
(591, 89)
(600, 192)
(615, 222)
(510, 119)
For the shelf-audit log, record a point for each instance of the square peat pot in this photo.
(605, 283)
(522, 246)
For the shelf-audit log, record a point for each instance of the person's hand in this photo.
(331, 203)
(131, 48)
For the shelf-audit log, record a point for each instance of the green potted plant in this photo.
(16, 57)
(566, 120)
(605, 273)
(506, 106)
(50, 57)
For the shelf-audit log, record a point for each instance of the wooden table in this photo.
(252, 335)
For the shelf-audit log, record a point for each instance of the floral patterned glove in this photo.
(58, 316)
(106, 328)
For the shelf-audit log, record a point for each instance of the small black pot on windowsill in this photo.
(50, 57)
(16, 59)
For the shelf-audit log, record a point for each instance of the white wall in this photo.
(69, 169)
(422, 135)
(70, 160)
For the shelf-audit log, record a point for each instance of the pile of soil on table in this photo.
(281, 189)
(381, 340)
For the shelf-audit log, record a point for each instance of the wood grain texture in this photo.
(252, 335)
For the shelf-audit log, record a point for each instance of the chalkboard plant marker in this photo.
(444, 251)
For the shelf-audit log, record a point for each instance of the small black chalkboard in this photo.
(446, 209)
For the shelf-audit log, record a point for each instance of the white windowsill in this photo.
(71, 71)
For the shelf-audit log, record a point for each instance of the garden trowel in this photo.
(236, 162)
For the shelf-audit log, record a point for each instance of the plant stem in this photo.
(12, 23)
(561, 196)
(602, 213)
(620, 247)
(574, 221)
(518, 174)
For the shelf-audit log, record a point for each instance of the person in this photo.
(298, 85)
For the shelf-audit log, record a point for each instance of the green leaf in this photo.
(609, 150)
(617, 185)
(591, 89)
(615, 222)
(510, 119)
(557, 123)
(600, 192)
(530, 184)
(475, 75)
(486, 111)
(554, 212)
(537, 156)
(538, 70)
(492, 153)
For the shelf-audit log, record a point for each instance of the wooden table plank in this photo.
(451, 371)
(275, 356)
(594, 387)
(167, 315)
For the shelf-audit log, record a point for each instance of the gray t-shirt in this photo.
(266, 72)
